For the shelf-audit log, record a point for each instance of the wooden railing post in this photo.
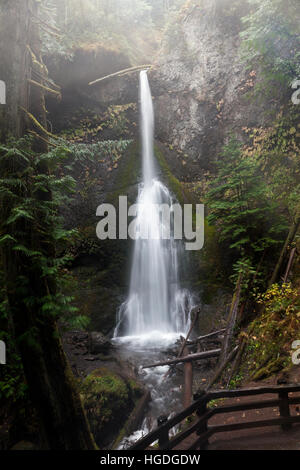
(284, 408)
(164, 436)
(188, 381)
(202, 409)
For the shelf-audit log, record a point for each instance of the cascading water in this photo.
(157, 309)
(156, 303)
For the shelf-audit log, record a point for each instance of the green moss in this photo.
(271, 334)
(108, 400)
(128, 173)
(206, 263)
(271, 368)
(182, 195)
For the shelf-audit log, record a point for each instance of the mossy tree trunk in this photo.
(14, 36)
(51, 383)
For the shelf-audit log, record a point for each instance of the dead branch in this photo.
(47, 90)
(35, 134)
(122, 73)
(231, 319)
(209, 335)
(290, 264)
(183, 347)
(222, 368)
(37, 123)
(290, 238)
(46, 79)
(190, 357)
(189, 333)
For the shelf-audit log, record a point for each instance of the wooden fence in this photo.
(201, 428)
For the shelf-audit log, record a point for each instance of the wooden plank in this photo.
(246, 406)
(190, 357)
(238, 426)
(254, 424)
(215, 394)
(225, 409)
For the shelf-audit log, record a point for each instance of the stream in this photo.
(166, 392)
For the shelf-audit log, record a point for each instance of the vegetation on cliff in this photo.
(53, 270)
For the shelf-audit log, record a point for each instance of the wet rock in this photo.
(98, 343)
(79, 337)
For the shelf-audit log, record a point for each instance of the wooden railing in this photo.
(204, 431)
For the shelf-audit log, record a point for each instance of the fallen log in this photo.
(121, 73)
(289, 240)
(190, 357)
(237, 360)
(209, 335)
(231, 320)
(221, 369)
(185, 341)
(189, 333)
(290, 264)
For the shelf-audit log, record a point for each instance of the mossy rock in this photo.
(271, 368)
(108, 400)
(128, 176)
(183, 196)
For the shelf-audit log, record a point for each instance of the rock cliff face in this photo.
(200, 83)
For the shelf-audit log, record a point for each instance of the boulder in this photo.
(108, 399)
(98, 343)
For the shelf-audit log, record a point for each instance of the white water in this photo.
(157, 309)
(156, 304)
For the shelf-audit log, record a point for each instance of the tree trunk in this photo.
(51, 384)
(289, 239)
(231, 320)
(14, 66)
(290, 264)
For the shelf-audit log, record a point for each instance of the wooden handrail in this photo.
(199, 406)
(155, 434)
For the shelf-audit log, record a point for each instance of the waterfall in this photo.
(156, 303)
